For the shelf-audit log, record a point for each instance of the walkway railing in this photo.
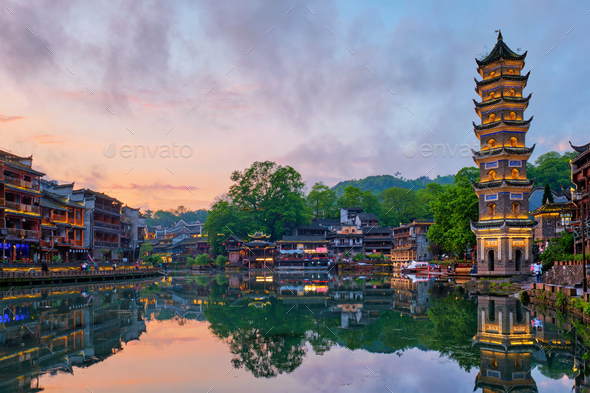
(76, 273)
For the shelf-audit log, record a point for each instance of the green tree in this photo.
(322, 200)
(353, 197)
(202, 260)
(428, 195)
(554, 168)
(272, 195)
(400, 206)
(454, 209)
(225, 219)
(146, 249)
(370, 203)
(221, 261)
(547, 194)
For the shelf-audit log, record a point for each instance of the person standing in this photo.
(538, 271)
(44, 267)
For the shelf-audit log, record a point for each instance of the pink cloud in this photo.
(46, 139)
(5, 119)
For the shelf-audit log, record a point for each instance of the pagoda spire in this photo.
(500, 35)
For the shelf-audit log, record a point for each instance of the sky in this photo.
(158, 102)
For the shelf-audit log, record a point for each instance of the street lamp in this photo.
(578, 196)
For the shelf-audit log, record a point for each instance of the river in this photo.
(262, 332)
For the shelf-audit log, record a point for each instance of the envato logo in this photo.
(428, 150)
(162, 151)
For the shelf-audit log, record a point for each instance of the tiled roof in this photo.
(500, 51)
(302, 239)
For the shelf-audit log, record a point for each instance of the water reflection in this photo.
(271, 323)
(51, 330)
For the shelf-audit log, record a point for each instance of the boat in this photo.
(415, 267)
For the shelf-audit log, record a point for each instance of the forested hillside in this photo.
(376, 184)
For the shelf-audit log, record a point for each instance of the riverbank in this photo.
(16, 278)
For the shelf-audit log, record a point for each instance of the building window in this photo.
(511, 72)
(490, 165)
(517, 197)
(491, 143)
(492, 74)
(512, 116)
(492, 197)
(516, 208)
(492, 209)
(492, 95)
(492, 175)
(492, 117)
(511, 93)
(515, 173)
(513, 142)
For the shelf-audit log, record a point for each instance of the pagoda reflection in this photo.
(508, 346)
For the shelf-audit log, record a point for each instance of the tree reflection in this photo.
(455, 324)
(266, 340)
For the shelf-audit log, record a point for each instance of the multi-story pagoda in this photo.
(504, 231)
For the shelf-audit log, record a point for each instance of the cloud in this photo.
(46, 139)
(5, 119)
(153, 186)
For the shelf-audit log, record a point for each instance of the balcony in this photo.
(102, 243)
(21, 183)
(22, 207)
(102, 224)
(73, 221)
(47, 243)
(60, 218)
(23, 233)
(107, 209)
(47, 220)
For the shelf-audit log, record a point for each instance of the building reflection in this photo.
(507, 344)
(53, 330)
(411, 295)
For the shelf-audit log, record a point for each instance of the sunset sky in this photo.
(335, 89)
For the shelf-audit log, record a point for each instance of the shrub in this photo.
(560, 299)
(202, 260)
(221, 261)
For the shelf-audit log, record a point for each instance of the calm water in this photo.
(283, 333)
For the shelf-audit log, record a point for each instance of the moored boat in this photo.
(415, 267)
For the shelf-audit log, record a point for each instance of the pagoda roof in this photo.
(554, 207)
(501, 51)
(504, 99)
(504, 183)
(514, 123)
(508, 77)
(581, 149)
(504, 150)
(501, 223)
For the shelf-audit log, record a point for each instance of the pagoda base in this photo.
(504, 251)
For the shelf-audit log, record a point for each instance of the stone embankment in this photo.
(564, 273)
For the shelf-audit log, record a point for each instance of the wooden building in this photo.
(301, 252)
(20, 215)
(62, 228)
(581, 178)
(411, 243)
